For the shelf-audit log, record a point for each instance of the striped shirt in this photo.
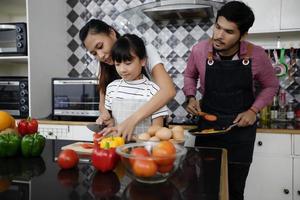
(137, 89)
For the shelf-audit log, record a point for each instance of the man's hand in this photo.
(193, 106)
(246, 118)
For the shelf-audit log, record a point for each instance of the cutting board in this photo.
(78, 148)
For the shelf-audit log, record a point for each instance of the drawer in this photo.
(273, 143)
(296, 139)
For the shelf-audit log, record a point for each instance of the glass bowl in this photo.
(150, 168)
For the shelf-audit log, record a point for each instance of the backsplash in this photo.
(173, 40)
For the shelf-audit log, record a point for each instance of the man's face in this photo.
(226, 36)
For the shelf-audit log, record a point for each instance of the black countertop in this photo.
(41, 178)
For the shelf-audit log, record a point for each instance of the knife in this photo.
(96, 127)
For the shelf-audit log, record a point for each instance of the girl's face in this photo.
(100, 45)
(131, 70)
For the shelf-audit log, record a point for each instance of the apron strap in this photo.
(248, 55)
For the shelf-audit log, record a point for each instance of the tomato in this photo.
(67, 159)
(87, 145)
(164, 153)
(97, 137)
(165, 168)
(68, 178)
(138, 152)
(144, 167)
(27, 126)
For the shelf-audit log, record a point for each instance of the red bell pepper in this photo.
(105, 159)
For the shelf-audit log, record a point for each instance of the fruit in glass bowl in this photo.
(151, 162)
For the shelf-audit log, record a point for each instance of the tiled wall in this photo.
(172, 39)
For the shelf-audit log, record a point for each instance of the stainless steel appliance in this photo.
(14, 96)
(13, 39)
(75, 99)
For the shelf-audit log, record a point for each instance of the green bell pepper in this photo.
(9, 144)
(32, 145)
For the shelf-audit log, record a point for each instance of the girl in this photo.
(98, 37)
(124, 96)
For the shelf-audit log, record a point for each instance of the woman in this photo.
(98, 38)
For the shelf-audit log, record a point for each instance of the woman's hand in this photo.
(104, 117)
(246, 118)
(193, 106)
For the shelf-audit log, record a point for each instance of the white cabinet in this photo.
(296, 183)
(290, 14)
(275, 15)
(267, 15)
(270, 178)
(47, 48)
(275, 170)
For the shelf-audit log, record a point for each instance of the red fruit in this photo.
(138, 152)
(164, 153)
(67, 159)
(144, 167)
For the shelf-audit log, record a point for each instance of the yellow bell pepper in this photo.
(111, 142)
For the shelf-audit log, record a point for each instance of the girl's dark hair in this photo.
(108, 73)
(127, 45)
(239, 13)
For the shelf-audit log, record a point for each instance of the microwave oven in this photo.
(14, 96)
(75, 99)
(13, 39)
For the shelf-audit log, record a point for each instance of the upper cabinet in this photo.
(275, 15)
(12, 11)
(290, 15)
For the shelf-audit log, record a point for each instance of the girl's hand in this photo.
(126, 128)
(246, 118)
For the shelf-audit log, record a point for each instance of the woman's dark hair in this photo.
(108, 73)
(239, 13)
(127, 45)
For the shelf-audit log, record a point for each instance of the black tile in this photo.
(173, 105)
(73, 73)
(86, 59)
(72, 31)
(73, 45)
(189, 41)
(205, 24)
(86, 15)
(86, 73)
(73, 60)
(72, 16)
(143, 28)
(173, 41)
(85, 2)
(72, 3)
(155, 28)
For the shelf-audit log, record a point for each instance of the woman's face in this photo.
(100, 45)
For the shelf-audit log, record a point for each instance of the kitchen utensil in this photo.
(96, 127)
(279, 65)
(197, 131)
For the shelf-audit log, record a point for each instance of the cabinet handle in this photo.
(298, 192)
(286, 191)
(260, 143)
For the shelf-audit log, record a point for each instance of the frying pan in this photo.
(197, 131)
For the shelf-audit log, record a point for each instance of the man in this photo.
(227, 67)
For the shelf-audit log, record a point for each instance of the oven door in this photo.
(76, 97)
(10, 97)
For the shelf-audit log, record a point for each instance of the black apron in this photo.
(228, 92)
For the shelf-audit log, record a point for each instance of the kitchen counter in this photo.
(266, 127)
(203, 175)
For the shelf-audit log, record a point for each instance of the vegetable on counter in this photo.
(112, 142)
(32, 145)
(6, 120)
(27, 126)
(105, 159)
(9, 144)
(67, 159)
